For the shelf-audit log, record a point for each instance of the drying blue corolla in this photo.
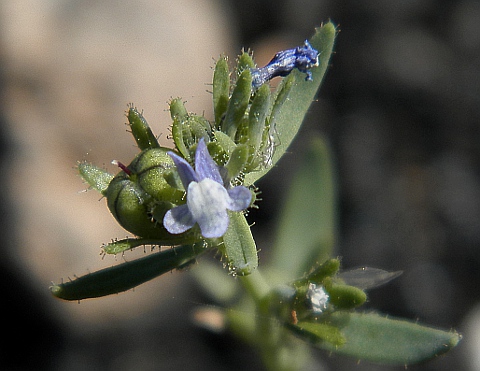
(208, 198)
(302, 57)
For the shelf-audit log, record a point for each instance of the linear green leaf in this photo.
(127, 275)
(307, 227)
(386, 340)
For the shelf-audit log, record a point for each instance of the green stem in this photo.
(256, 286)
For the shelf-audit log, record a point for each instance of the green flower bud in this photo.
(344, 296)
(139, 196)
(131, 206)
(329, 268)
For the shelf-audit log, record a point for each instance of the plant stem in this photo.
(255, 285)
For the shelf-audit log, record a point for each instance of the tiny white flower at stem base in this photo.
(208, 198)
(318, 298)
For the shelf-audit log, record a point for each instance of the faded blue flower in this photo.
(302, 57)
(207, 197)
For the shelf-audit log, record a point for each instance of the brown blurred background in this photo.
(400, 105)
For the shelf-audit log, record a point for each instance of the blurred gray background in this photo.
(400, 106)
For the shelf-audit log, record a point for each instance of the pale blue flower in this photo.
(207, 197)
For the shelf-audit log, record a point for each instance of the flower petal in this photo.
(178, 219)
(205, 167)
(185, 170)
(240, 198)
(207, 201)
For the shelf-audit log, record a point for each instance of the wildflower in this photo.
(318, 298)
(207, 197)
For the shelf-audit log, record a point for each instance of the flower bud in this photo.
(139, 196)
(344, 296)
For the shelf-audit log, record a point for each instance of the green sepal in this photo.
(179, 115)
(256, 120)
(200, 127)
(218, 153)
(344, 296)
(239, 246)
(237, 161)
(387, 340)
(141, 130)
(238, 104)
(97, 178)
(281, 96)
(317, 333)
(177, 109)
(329, 268)
(187, 129)
(127, 275)
(244, 62)
(225, 142)
(178, 138)
(221, 89)
(120, 246)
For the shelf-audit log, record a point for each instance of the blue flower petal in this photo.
(240, 198)
(205, 167)
(178, 219)
(208, 202)
(184, 169)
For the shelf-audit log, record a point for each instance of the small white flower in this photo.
(318, 298)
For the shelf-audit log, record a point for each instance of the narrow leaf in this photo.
(389, 341)
(127, 275)
(317, 333)
(307, 227)
(208, 276)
